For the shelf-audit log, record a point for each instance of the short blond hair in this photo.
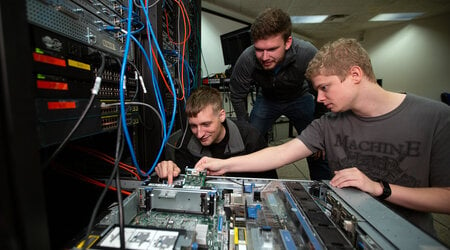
(336, 58)
(200, 98)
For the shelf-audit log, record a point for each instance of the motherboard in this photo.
(203, 212)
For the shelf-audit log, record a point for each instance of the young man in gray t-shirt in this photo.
(394, 146)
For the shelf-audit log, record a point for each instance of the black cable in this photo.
(108, 183)
(60, 147)
(85, 111)
(121, 214)
(137, 84)
(97, 207)
(115, 173)
(119, 151)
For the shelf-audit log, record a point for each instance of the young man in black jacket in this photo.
(276, 65)
(211, 134)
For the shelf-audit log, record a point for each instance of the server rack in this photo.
(23, 217)
(43, 206)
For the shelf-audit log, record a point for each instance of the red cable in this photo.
(89, 180)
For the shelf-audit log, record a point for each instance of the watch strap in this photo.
(386, 190)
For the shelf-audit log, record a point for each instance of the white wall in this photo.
(212, 27)
(414, 58)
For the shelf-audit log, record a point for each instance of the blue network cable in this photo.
(160, 102)
(155, 82)
(121, 92)
(172, 120)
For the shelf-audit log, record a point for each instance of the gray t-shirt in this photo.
(409, 146)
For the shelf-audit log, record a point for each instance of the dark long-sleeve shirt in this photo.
(284, 84)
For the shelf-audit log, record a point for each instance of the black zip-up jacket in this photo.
(240, 139)
(286, 84)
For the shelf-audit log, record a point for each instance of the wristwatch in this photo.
(386, 190)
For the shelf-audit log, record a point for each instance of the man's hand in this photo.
(167, 169)
(353, 177)
(426, 199)
(212, 165)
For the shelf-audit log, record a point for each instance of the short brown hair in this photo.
(336, 58)
(201, 98)
(271, 22)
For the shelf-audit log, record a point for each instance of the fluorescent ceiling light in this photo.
(308, 19)
(396, 16)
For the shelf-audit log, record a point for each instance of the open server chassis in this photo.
(200, 212)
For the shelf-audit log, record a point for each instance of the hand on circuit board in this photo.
(213, 166)
(167, 169)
